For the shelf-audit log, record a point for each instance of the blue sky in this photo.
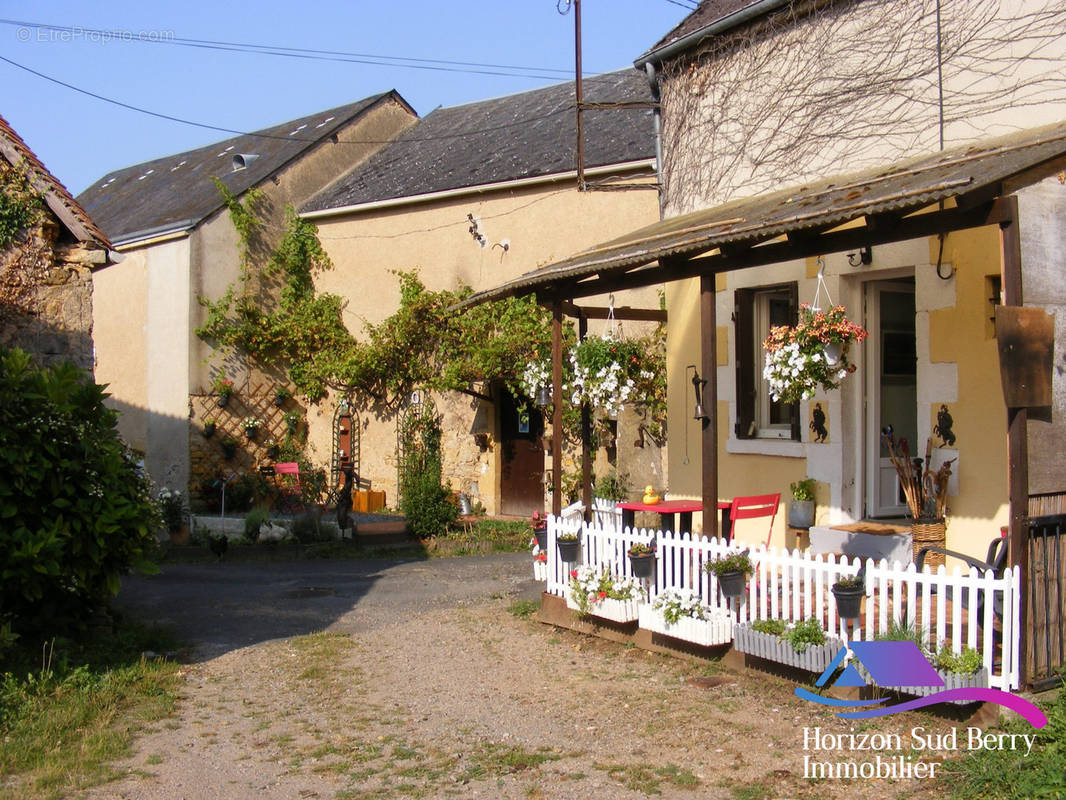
(80, 138)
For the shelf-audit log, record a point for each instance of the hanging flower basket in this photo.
(810, 356)
(567, 548)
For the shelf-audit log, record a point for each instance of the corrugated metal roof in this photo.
(55, 194)
(904, 187)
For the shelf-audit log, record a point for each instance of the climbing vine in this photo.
(19, 204)
(423, 344)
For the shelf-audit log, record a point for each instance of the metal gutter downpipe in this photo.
(657, 117)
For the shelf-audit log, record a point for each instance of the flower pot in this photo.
(250, 433)
(732, 584)
(800, 513)
(209, 430)
(179, 534)
(229, 449)
(223, 399)
(833, 353)
(849, 601)
(642, 565)
(541, 535)
(273, 451)
(814, 657)
(279, 400)
(567, 549)
(614, 610)
(952, 680)
(718, 629)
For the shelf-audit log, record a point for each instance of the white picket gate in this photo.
(957, 607)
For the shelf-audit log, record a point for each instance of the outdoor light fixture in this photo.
(544, 396)
(863, 258)
(697, 386)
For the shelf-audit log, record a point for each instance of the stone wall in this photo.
(46, 295)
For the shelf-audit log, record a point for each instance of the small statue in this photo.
(650, 497)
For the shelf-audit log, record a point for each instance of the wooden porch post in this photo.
(1017, 441)
(586, 437)
(709, 371)
(557, 407)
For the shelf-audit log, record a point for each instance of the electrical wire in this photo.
(683, 5)
(566, 109)
(440, 65)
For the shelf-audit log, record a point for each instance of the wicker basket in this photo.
(929, 532)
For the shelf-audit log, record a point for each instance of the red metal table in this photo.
(667, 509)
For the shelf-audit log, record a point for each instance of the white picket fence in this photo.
(793, 586)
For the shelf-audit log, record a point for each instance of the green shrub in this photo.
(424, 501)
(965, 663)
(802, 635)
(253, 521)
(774, 627)
(307, 528)
(75, 509)
(612, 486)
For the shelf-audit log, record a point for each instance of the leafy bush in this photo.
(75, 509)
(803, 490)
(802, 635)
(612, 486)
(775, 627)
(965, 663)
(253, 521)
(308, 529)
(424, 501)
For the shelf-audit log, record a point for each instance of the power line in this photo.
(567, 108)
(439, 65)
(694, 5)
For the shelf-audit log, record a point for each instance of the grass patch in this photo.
(649, 780)
(1009, 774)
(524, 609)
(63, 722)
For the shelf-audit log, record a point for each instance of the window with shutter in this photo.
(756, 311)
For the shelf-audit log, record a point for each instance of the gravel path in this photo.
(382, 679)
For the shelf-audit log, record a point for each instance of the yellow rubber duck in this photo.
(650, 497)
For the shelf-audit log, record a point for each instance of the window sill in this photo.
(766, 447)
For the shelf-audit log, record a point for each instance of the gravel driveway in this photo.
(379, 679)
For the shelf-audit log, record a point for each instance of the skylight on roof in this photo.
(293, 133)
(146, 174)
(325, 121)
(178, 166)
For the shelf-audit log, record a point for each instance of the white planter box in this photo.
(706, 632)
(766, 645)
(540, 571)
(952, 680)
(614, 610)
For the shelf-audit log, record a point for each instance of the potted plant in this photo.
(273, 449)
(801, 507)
(251, 426)
(229, 447)
(599, 593)
(801, 644)
(281, 394)
(849, 591)
(209, 427)
(540, 530)
(682, 614)
(172, 510)
(926, 494)
(567, 544)
(811, 355)
(223, 388)
(732, 572)
(292, 420)
(642, 559)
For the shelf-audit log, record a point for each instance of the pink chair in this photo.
(287, 475)
(759, 505)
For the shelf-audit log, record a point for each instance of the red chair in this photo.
(759, 505)
(287, 476)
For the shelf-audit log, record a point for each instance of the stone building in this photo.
(48, 250)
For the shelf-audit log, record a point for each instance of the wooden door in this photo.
(522, 458)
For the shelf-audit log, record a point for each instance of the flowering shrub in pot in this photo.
(598, 592)
(811, 355)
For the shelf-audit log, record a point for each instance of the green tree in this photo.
(75, 508)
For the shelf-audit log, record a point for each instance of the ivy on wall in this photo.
(19, 204)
